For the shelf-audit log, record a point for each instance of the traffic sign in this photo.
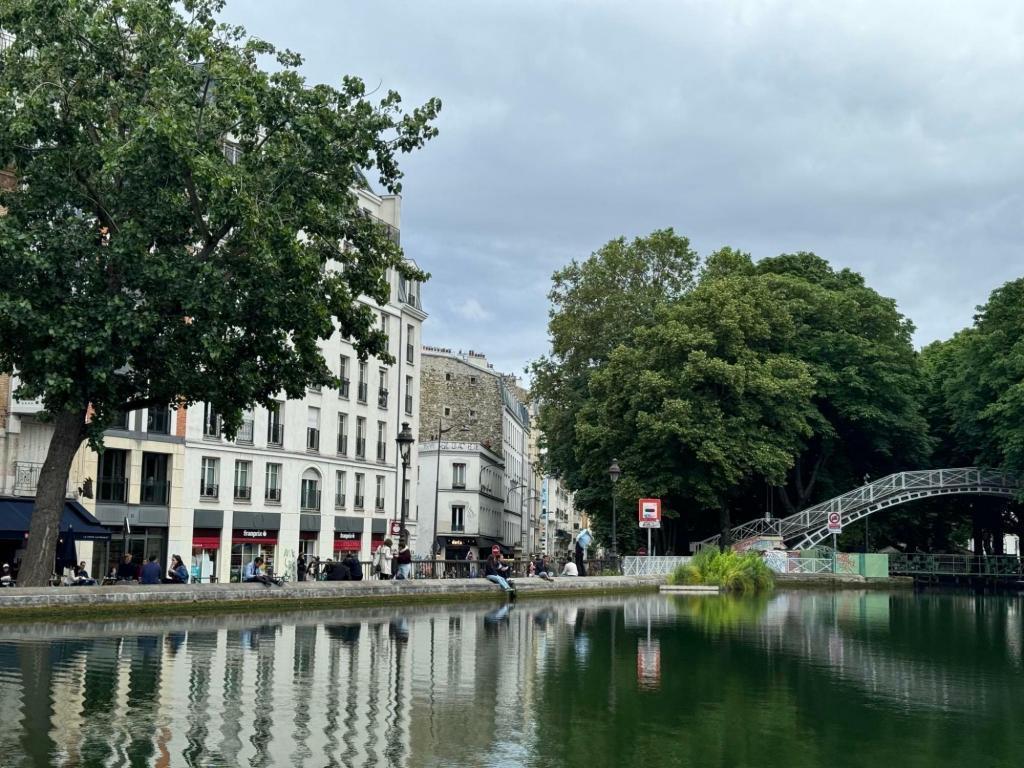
(650, 513)
(835, 522)
(396, 527)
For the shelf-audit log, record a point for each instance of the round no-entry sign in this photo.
(835, 522)
(396, 527)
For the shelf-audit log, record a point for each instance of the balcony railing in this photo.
(243, 493)
(344, 388)
(312, 439)
(339, 501)
(379, 503)
(363, 391)
(361, 447)
(155, 492)
(159, 421)
(410, 353)
(211, 429)
(310, 501)
(26, 476)
(275, 434)
(408, 404)
(382, 451)
(245, 433)
(272, 495)
(112, 489)
(358, 502)
(382, 398)
(208, 490)
(343, 444)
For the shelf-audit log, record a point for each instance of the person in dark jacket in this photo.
(355, 570)
(151, 571)
(178, 573)
(126, 570)
(300, 567)
(337, 571)
(497, 571)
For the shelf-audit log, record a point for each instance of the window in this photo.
(382, 445)
(158, 420)
(410, 342)
(458, 475)
(339, 489)
(379, 505)
(113, 476)
(208, 485)
(384, 323)
(343, 434)
(272, 492)
(360, 485)
(310, 497)
(245, 432)
(211, 422)
(243, 480)
(360, 437)
(363, 385)
(405, 499)
(313, 429)
(447, 411)
(155, 487)
(458, 518)
(343, 378)
(121, 420)
(382, 388)
(408, 395)
(275, 425)
(447, 377)
(472, 379)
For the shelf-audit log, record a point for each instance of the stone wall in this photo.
(469, 392)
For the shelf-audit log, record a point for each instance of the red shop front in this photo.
(347, 541)
(205, 546)
(247, 544)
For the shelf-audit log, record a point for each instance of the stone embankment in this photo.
(840, 581)
(71, 602)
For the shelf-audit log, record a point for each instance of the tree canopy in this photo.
(185, 225)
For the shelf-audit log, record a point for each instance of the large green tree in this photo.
(142, 264)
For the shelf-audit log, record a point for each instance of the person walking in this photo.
(151, 571)
(178, 573)
(404, 561)
(497, 571)
(382, 560)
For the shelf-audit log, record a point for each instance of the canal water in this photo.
(797, 679)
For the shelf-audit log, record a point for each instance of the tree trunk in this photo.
(37, 565)
(725, 542)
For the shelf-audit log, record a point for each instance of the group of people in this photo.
(151, 572)
(389, 562)
(346, 569)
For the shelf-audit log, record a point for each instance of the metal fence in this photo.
(471, 569)
(954, 565)
(801, 564)
(651, 566)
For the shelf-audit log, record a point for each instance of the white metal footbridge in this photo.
(809, 527)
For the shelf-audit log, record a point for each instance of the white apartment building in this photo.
(478, 478)
(320, 475)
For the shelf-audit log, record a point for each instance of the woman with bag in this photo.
(382, 560)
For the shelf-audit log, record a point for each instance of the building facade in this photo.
(474, 452)
(320, 475)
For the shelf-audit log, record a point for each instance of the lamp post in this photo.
(614, 472)
(405, 441)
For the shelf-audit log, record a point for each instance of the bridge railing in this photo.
(651, 566)
(954, 565)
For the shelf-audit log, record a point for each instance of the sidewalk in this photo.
(57, 602)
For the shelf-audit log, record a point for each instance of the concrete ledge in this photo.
(690, 589)
(60, 602)
(840, 581)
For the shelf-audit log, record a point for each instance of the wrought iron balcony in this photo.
(343, 444)
(208, 490)
(310, 501)
(363, 391)
(382, 398)
(339, 501)
(272, 495)
(312, 439)
(112, 489)
(245, 433)
(344, 388)
(155, 492)
(275, 434)
(243, 493)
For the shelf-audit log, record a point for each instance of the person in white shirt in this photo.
(382, 559)
(570, 569)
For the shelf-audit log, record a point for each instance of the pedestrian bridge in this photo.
(809, 527)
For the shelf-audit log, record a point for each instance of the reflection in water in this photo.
(652, 680)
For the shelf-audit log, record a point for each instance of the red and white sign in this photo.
(396, 527)
(835, 522)
(650, 513)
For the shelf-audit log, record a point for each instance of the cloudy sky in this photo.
(886, 137)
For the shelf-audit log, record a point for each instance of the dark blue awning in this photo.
(16, 515)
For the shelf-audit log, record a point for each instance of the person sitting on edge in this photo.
(178, 573)
(570, 569)
(337, 571)
(6, 577)
(127, 571)
(82, 578)
(254, 572)
(543, 568)
(355, 570)
(497, 572)
(151, 571)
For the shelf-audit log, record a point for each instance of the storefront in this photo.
(348, 535)
(309, 536)
(379, 532)
(254, 535)
(206, 528)
(457, 547)
(139, 530)
(16, 518)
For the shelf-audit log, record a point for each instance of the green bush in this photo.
(732, 571)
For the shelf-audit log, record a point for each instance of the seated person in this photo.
(254, 572)
(151, 571)
(337, 571)
(178, 573)
(570, 569)
(82, 578)
(355, 570)
(543, 568)
(126, 570)
(6, 577)
(497, 571)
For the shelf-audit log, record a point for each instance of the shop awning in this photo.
(16, 516)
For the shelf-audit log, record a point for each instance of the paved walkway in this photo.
(330, 592)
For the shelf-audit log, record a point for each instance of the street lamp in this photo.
(614, 472)
(435, 546)
(405, 441)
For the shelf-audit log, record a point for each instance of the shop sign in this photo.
(346, 536)
(461, 542)
(247, 534)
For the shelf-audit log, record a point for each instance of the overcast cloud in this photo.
(885, 137)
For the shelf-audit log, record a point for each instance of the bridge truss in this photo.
(809, 527)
